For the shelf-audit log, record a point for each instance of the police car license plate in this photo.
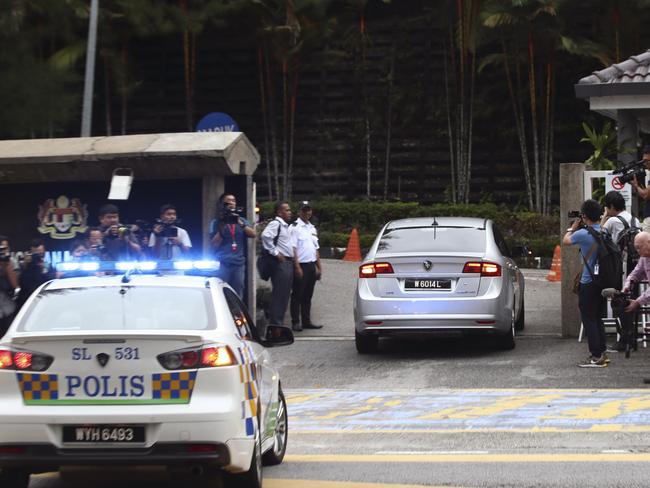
(410, 284)
(103, 434)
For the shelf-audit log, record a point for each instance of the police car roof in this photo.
(171, 280)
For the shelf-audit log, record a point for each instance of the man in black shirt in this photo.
(35, 271)
(644, 192)
(119, 243)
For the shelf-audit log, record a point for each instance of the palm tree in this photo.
(530, 33)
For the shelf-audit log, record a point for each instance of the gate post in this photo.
(571, 198)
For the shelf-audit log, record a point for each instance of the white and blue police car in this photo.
(140, 367)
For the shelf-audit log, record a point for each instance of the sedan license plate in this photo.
(103, 434)
(411, 284)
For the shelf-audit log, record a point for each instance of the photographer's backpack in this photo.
(608, 268)
(625, 243)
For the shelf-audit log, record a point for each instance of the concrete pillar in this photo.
(213, 187)
(571, 198)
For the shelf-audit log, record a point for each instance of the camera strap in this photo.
(586, 259)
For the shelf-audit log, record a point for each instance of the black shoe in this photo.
(312, 326)
(297, 327)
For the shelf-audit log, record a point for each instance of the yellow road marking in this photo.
(500, 406)
(344, 413)
(608, 410)
(469, 458)
(284, 483)
(297, 398)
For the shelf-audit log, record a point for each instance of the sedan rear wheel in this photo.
(521, 320)
(366, 343)
(276, 454)
(507, 341)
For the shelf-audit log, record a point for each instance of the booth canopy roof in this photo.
(631, 77)
(155, 155)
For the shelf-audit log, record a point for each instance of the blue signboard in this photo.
(217, 122)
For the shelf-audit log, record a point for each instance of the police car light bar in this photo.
(141, 266)
(136, 265)
(78, 266)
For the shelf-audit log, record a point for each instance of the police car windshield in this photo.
(126, 308)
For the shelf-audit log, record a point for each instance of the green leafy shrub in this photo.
(335, 219)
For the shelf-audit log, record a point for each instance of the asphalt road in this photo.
(453, 412)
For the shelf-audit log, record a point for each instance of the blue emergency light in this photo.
(199, 266)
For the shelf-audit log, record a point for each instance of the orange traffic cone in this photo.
(353, 251)
(555, 274)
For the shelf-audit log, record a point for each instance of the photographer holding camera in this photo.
(167, 240)
(589, 296)
(8, 285)
(35, 271)
(118, 241)
(644, 192)
(229, 233)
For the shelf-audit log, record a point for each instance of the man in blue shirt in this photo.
(589, 298)
(229, 233)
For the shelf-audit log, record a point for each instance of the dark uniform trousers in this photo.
(281, 279)
(303, 291)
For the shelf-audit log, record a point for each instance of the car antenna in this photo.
(435, 225)
(127, 276)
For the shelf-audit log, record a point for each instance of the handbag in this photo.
(265, 261)
(578, 276)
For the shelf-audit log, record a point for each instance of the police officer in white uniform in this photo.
(277, 240)
(307, 269)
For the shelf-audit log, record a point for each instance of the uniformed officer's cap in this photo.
(304, 205)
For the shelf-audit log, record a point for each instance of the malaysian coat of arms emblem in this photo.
(62, 218)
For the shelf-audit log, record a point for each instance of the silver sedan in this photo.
(438, 275)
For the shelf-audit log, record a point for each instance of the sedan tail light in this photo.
(24, 360)
(486, 268)
(212, 356)
(371, 270)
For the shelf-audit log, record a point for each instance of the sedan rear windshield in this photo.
(432, 239)
(127, 308)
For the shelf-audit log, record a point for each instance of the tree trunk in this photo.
(265, 122)
(187, 67)
(519, 123)
(272, 122)
(285, 128)
(389, 115)
(107, 95)
(533, 115)
(125, 89)
(292, 126)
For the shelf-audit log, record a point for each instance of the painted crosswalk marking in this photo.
(524, 410)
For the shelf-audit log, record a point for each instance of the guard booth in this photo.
(52, 188)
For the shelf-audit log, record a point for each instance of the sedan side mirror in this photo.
(277, 335)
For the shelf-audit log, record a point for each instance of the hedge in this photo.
(335, 219)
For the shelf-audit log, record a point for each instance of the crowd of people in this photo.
(293, 246)
(615, 249)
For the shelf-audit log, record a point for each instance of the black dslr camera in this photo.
(229, 215)
(169, 228)
(630, 171)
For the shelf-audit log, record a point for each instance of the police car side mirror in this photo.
(277, 335)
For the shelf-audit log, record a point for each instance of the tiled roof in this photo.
(634, 70)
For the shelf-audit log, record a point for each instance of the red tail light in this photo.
(486, 268)
(24, 360)
(212, 356)
(371, 270)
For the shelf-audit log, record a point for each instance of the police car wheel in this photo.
(506, 341)
(366, 344)
(275, 455)
(14, 478)
(253, 477)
